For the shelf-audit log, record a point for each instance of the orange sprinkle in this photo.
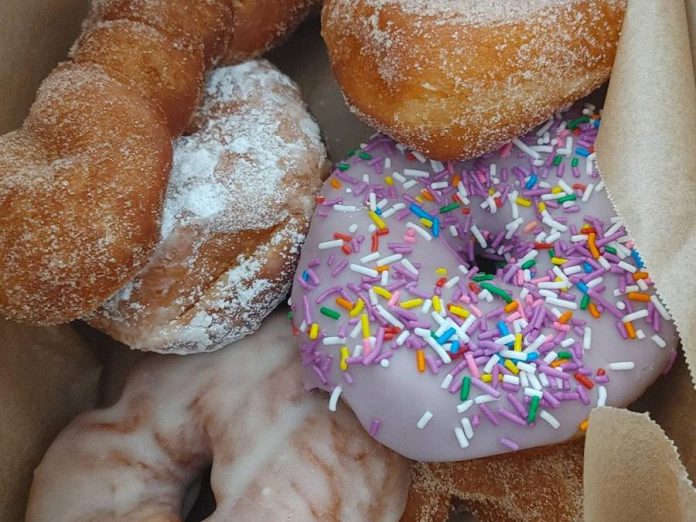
(582, 379)
(420, 361)
(593, 310)
(591, 244)
(346, 250)
(630, 329)
(340, 301)
(335, 183)
(455, 180)
(565, 317)
(638, 296)
(382, 268)
(584, 425)
(511, 306)
(426, 195)
(558, 362)
(374, 247)
(640, 275)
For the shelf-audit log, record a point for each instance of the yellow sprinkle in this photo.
(491, 191)
(436, 303)
(556, 190)
(411, 303)
(584, 425)
(558, 260)
(365, 326)
(441, 270)
(487, 377)
(541, 206)
(524, 202)
(314, 331)
(458, 310)
(357, 308)
(389, 180)
(378, 220)
(518, 342)
(382, 292)
(344, 355)
(419, 199)
(426, 222)
(511, 366)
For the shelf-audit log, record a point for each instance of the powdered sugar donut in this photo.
(457, 79)
(465, 309)
(236, 210)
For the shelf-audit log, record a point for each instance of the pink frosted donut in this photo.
(466, 309)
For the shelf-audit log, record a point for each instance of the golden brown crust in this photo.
(456, 80)
(260, 25)
(529, 486)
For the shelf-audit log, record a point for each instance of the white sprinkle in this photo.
(549, 197)
(623, 365)
(565, 343)
(626, 266)
(419, 156)
(468, 428)
(373, 297)
(526, 367)
(387, 162)
(506, 339)
(409, 266)
(424, 420)
(439, 350)
(572, 270)
(579, 237)
(659, 307)
(409, 184)
(511, 354)
(479, 237)
(398, 177)
(373, 201)
(370, 257)
(491, 363)
(553, 237)
(614, 228)
(589, 167)
(643, 286)
(453, 230)
(526, 149)
(562, 303)
(544, 380)
(402, 337)
(600, 185)
(330, 244)
(596, 281)
(425, 308)
(384, 363)
(345, 208)
(531, 392)
(545, 127)
(453, 281)
(605, 264)
(420, 231)
(439, 185)
(587, 338)
(634, 316)
(513, 203)
(353, 228)
(601, 396)
(329, 341)
(553, 421)
(333, 400)
(536, 344)
(461, 438)
(511, 379)
(555, 285)
(437, 166)
(389, 259)
(363, 270)
(659, 341)
(532, 378)
(389, 317)
(461, 408)
(384, 280)
(446, 381)
(355, 331)
(620, 305)
(483, 399)
(416, 173)
(587, 193)
(640, 334)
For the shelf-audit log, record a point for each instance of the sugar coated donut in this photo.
(465, 309)
(457, 79)
(276, 454)
(237, 208)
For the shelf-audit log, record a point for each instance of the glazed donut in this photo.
(237, 208)
(260, 25)
(466, 309)
(276, 454)
(457, 79)
(83, 181)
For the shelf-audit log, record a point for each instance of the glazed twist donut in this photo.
(457, 79)
(276, 454)
(83, 181)
(236, 211)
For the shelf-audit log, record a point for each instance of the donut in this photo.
(276, 455)
(260, 25)
(467, 309)
(453, 80)
(239, 201)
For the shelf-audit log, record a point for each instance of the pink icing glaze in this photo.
(404, 377)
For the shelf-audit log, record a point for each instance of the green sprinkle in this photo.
(449, 208)
(328, 312)
(574, 162)
(573, 124)
(351, 153)
(364, 155)
(584, 302)
(343, 166)
(466, 387)
(611, 250)
(569, 197)
(290, 314)
(528, 264)
(564, 355)
(552, 252)
(482, 277)
(533, 407)
(558, 160)
(497, 291)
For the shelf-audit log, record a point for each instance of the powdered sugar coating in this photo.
(237, 206)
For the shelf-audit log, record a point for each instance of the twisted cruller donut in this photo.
(82, 182)
(466, 309)
(454, 79)
(237, 208)
(276, 454)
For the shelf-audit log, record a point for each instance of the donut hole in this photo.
(199, 501)
(485, 262)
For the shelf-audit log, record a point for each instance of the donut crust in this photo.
(456, 82)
